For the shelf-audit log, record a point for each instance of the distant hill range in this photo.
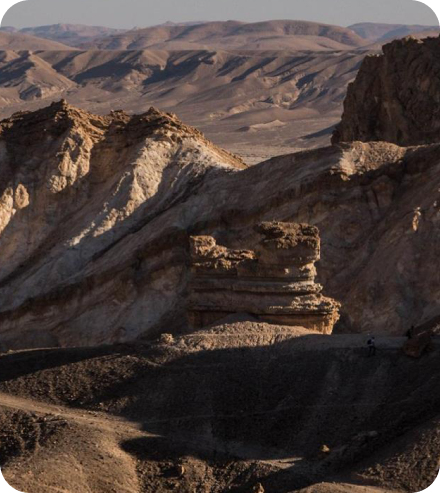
(269, 35)
(386, 32)
(257, 88)
(10, 40)
(267, 98)
(228, 35)
(71, 35)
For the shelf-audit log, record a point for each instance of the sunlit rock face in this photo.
(96, 213)
(274, 280)
(77, 189)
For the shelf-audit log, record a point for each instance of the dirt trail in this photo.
(91, 458)
(82, 417)
(124, 429)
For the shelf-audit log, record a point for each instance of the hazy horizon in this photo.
(115, 14)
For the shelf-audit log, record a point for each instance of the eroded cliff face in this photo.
(97, 215)
(396, 96)
(274, 281)
(72, 186)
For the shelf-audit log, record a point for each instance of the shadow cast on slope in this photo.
(250, 404)
(15, 365)
(265, 404)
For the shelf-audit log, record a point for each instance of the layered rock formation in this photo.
(72, 186)
(96, 215)
(396, 96)
(274, 281)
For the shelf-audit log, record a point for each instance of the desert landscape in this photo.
(257, 89)
(201, 226)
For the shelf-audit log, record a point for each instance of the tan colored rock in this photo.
(166, 338)
(258, 488)
(107, 259)
(72, 186)
(274, 281)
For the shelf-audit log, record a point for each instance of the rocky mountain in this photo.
(395, 97)
(96, 214)
(101, 173)
(233, 35)
(206, 291)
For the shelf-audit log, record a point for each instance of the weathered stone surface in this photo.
(73, 186)
(96, 249)
(396, 96)
(275, 281)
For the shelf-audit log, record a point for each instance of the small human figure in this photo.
(371, 343)
(410, 332)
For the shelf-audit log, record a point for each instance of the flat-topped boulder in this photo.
(274, 279)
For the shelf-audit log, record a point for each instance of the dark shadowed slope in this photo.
(232, 406)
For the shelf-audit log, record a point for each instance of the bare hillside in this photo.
(19, 41)
(268, 102)
(96, 214)
(226, 409)
(385, 32)
(27, 76)
(70, 34)
(269, 35)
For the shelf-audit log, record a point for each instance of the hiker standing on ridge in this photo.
(371, 343)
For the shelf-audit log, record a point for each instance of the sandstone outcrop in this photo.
(395, 96)
(72, 186)
(96, 214)
(274, 280)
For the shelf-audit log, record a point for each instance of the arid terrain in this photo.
(258, 89)
(181, 316)
(97, 214)
(222, 410)
(277, 101)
